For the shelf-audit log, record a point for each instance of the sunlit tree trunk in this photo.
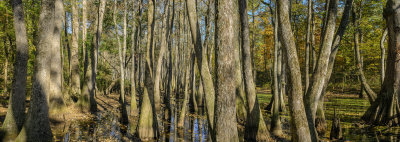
(84, 36)
(225, 122)
(37, 124)
(202, 64)
(164, 34)
(275, 122)
(16, 105)
(255, 129)
(300, 129)
(383, 50)
(56, 101)
(134, 38)
(148, 129)
(75, 79)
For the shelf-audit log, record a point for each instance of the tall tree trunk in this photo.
(56, 101)
(275, 122)
(16, 106)
(370, 93)
(84, 33)
(385, 110)
(165, 33)
(308, 44)
(148, 129)
(5, 91)
(225, 122)
(100, 16)
(255, 129)
(300, 129)
(37, 124)
(202, 64)
(185, 96)
(383, 50)
(135, 36)
(76, 84)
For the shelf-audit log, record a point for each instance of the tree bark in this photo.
(56, 101)
(37, 124)
(76, 83)
(133, 108)
(225, 122)
(165, 33)
(383, 50)
(300, 129)
(385, 110)
(275, 122)
(148, 129)
(201, 56)
(16, 106)
(255, 129)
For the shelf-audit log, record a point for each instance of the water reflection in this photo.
(107, 127)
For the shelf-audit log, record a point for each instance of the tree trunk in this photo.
(148, 129)
(16, 106)
(185, 97)
(202, 64)
(56, 101)
(275, 122)
(37, 124)
(134, 38)
(300, 129)
(385, 110)
(5, 91)
(84, 35)
(383, 50)
(76, 83)
(225, 122)
(370, 93)
(255, 129)
(308, 44)
(165, 33)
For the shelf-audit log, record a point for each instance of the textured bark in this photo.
(383, 50)
(56, 101)
(225, 122)
(148, 129)
(165, 33)
(335, 47)
(313, 94)
(75, 79)
(202, 64)
(255, 129)
(385, 110)
(300, 130)
(37, 124)
(16, 106)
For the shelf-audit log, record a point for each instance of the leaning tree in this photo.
(385, 109)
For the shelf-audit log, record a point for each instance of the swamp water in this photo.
(106, 126)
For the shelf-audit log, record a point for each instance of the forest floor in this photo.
(74, 123)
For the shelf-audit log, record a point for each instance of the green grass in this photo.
(348, 107)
